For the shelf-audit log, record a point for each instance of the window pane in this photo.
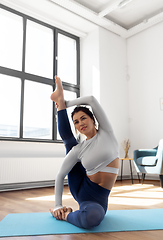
(11, 40)
(37, 111)
(67, 69)
(39, 50)
(10, 88)
(69, 96)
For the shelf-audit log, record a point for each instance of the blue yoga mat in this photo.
(30, 224)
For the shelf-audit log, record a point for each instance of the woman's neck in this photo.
(92, 134)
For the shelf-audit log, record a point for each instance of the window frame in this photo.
(28, 76)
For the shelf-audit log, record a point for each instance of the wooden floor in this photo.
(124, 195)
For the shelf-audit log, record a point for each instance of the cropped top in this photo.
(95, 153)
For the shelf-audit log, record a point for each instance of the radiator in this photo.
(29, 162)
(16, 170)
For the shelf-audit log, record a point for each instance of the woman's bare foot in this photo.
(58, 93)
(57, 96)
(61, 214)
(69, 210)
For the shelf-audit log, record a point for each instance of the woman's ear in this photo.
(94, 122)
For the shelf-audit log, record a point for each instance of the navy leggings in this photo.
(92, 198)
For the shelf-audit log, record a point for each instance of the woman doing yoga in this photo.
(92, 165)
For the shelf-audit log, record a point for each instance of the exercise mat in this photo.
(42, 223)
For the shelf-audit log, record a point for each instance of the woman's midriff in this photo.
(104, 179)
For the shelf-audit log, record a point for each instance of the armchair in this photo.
(150, 161)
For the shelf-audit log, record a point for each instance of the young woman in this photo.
(92, 166)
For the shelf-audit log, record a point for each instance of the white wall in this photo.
(89, 64)
(113, 83)
(145, 69)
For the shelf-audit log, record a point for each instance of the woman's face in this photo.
(84, 124)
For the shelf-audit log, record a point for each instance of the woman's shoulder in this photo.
(78, 146)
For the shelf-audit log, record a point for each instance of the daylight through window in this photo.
(31, 54)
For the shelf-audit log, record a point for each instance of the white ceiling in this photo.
(82, 16)
(128, 16)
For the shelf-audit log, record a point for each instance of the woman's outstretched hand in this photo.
(61, 213)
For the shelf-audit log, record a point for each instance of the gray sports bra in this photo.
(110, 170)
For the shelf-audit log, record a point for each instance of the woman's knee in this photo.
(94, 214)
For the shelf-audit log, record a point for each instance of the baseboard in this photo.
(28, 185)
(135, 176)
(126, 177)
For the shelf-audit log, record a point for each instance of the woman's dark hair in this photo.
(85, 110)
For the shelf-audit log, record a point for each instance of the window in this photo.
(31, 54)
(39, 50)
(37, 120)
(10, 92)
(11, 40)
(67, 59)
